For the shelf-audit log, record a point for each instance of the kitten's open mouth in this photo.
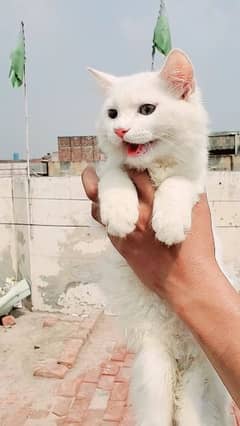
(136, 149)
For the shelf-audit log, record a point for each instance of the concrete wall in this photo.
(62, 252)
(14, 217)
(228, 162)
(224, 196)
(65, 246)
(8, 257)
(66, 168)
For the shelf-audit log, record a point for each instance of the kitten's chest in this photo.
(161, 170)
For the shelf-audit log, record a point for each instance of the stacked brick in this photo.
(58, 367)
(99, 397)
(79, 148)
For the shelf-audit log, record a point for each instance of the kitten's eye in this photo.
(147, 109)
(112, 113)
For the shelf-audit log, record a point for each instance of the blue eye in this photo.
(146, 109)
(112, 113)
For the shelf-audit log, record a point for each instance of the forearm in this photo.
(211, 310)
(202, 296)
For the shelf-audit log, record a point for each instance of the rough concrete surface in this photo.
(24, 398)
(63, 252)
(93, 392)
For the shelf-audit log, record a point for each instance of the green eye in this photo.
(146, 109)
(112, 113)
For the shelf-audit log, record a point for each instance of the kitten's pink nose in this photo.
(120, 132)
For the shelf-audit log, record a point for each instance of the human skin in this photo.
(186, 275)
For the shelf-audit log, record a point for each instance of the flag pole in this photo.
(29, 204)
(153, 57)
(161, 34)
(26, 110)
(153, 44)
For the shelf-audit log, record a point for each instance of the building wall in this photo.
(66, 168)
(8, 257)
(73, 151)
(64, 246)
(227, 162)
(64, 251)
(224, 141)
(78, 148)
(14, 217)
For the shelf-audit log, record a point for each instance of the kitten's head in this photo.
(152, 115)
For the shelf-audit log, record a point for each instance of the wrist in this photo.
(192, 285)
(206, 301)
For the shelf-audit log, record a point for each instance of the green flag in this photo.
(162, 36)
(16, 73)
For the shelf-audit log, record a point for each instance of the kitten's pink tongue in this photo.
(135, 149)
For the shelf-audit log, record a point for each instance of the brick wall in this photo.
(78, 148)
(224, 150)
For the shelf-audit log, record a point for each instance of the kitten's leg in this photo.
(118, 202)
(202, 399)
(151, 390)
(219, 401)
(172, 209)
(190, 394)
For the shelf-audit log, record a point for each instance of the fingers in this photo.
(141, 180)
(144, 186)
(90, 183)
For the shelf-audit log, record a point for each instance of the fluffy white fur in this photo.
(173, 382)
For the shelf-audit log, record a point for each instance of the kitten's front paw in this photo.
(171, 228)
(120, 216)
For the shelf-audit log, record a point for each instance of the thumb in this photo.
(90, 183)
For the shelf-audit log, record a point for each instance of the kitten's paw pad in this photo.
(119, 218)
(171, 229)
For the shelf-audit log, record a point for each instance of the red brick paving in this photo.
(115, 411)
(86, 391)
(62, 405)
(49, 321)
(119, 392)
(93, 375)
(119, 354)
(50, 368)
(106, 382)
(69, 387)
(98, 397)
(70, 352)
(8, 321)
(110, 368)
(124, 374)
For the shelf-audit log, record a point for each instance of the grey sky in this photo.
(65, 36)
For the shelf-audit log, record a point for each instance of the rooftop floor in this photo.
(61, 371)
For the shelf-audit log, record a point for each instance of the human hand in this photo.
(169, 271)
(186, 276)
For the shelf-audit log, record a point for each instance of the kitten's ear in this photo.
(105, 80)
(178, 73)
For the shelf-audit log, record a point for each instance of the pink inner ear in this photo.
(178, 73)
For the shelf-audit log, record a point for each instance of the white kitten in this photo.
(155, 121)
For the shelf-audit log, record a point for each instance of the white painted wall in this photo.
(65, 246)
(224, 195)
(63, 250)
